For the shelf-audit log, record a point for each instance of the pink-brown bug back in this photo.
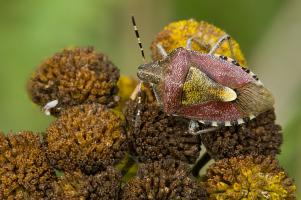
(252, 97)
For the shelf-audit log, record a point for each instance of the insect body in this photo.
(205, 87)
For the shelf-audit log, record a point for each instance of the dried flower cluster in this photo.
(24, 170)
(74, 76)
(87, 137)
(259, 136)
(76, 185)
(165, 179)
(160, 136)
(90, 140)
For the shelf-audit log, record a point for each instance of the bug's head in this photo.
(150, 72)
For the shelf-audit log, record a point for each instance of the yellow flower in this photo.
(177, 33)
(248, 177)
(126, 85)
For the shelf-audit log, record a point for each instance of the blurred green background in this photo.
(268, 32)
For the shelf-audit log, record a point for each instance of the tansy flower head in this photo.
(24, 170)
(248, 177)
(104, 185)
(166, 179)
(159, 136)
(74, 76)
(86, 137)
(258, 136)
(177, 33)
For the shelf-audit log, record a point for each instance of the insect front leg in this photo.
(137, 93)
(194, 128)
(202, 44)
(161, 50)
(220, 42)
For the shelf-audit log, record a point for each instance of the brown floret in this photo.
(158, 135)
(86, 137)
(104, 185)
(248, 177)
(74, 76)
(24, 170)
(258, 136)
(166, 179)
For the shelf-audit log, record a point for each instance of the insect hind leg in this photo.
(199, 42)
(161, 50)
(220, 42)
(194, 128)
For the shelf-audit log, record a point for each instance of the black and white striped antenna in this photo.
(138, 38)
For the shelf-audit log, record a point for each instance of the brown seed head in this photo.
(166, 179)
(74, 76)
(258, 136)
(75, 185)
(87, 137)
(158, 135)
(24, 170)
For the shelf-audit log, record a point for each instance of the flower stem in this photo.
(200, 164)
(129, 163)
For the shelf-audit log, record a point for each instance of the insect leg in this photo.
(136, 91)
(194, 128)
(220, 42)
(189, 43)
(137, 94)
(158, 97)
(202, 44)
(162, 50)
(49, 106)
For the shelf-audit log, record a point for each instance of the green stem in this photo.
(129, 163)
(200, 164)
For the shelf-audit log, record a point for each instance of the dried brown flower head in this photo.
(166, 179)
(87, 137)
(159, 136)
(74, 76)
(258, 136)
(75, 185)
(24, 170)
(248, 177)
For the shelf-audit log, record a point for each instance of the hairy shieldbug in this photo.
(205, 87)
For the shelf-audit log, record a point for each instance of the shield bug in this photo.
(205, 87)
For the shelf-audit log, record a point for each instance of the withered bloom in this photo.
(204, 36)
(74, 76)
(87, 137)
(24, 170)
(248, 177)
(258, 136)
(75, 185)
(158, 135)
(166, 179)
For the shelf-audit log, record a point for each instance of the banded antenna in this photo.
(138, 38)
